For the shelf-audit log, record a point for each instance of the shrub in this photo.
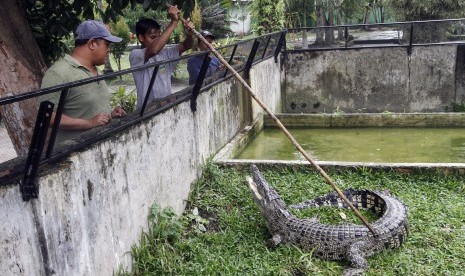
(120, 29)
(123, 99)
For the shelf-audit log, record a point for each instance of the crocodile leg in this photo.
(356, 254)
(274, 241)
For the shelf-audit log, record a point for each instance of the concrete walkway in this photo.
(7, 151)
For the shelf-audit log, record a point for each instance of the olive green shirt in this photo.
(83, 101)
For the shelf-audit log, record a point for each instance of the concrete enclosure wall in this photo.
(374, 80)
(93, 206)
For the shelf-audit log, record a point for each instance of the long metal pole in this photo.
(283, 129)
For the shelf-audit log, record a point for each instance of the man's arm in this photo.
(189, 41)
(157, 45)
(71, 123)
(160, 42)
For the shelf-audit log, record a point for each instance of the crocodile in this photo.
(350, 242)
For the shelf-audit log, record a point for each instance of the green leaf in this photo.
(202, 228)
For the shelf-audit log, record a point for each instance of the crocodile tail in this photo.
(361, 199)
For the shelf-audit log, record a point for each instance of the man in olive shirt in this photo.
(86, 106)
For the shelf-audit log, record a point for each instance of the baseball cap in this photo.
(206, 33)
(95, 29)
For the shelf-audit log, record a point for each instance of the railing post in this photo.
(149, 90)
(199, 81)
(56, 122)
(410, 45)
(266, 46)
(346, 35)
(230, 60)
(28, 186)
(251, 58)
(281, 41)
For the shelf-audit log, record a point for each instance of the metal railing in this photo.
(241, 55)
(395, 34)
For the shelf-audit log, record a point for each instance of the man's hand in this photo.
(99, 120)
(173, 12)
(188, 26)
(118, 112)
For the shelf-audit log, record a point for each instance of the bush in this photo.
(120, 29)
(123, 99)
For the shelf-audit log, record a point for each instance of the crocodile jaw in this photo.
(253, 188)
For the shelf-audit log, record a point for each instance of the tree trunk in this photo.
(340, 30)
(107, 67)
(329, 32)
(304, 34)
(381, 9)
(320, 21)
(366, 19)
(21, 70)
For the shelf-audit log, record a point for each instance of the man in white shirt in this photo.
(153, 49)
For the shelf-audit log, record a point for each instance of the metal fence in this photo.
(241, 55)
(396, 34)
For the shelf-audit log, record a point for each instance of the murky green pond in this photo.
(380, 145)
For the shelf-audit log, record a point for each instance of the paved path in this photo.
(380, 35)
(7, 151)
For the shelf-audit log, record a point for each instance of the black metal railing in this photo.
(241, 55)
(394, 34)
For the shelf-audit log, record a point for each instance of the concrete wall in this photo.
(373, 80)
(265, 81)
(93, 206)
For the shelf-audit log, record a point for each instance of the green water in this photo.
(380, 145)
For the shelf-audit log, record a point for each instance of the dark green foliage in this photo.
(124, 99)
(267, 16)
(164, 225)
(53, 26)
(415, 10)
(458, 107)
(118, 49)
(296, 9)
(133, 13)
(164, 231)
(214, 17)
(53, 21)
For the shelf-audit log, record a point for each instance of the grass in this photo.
(223, 233)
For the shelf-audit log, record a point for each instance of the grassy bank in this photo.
(223, 233)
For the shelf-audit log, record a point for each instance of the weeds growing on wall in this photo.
(458, 107)
(233, 238)
(124, 99)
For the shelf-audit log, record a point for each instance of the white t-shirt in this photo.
(162, 86)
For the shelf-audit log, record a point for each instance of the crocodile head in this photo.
(264, 195)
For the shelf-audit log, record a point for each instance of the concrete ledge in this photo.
(445, 168)
(240, 141)
(443, 119)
